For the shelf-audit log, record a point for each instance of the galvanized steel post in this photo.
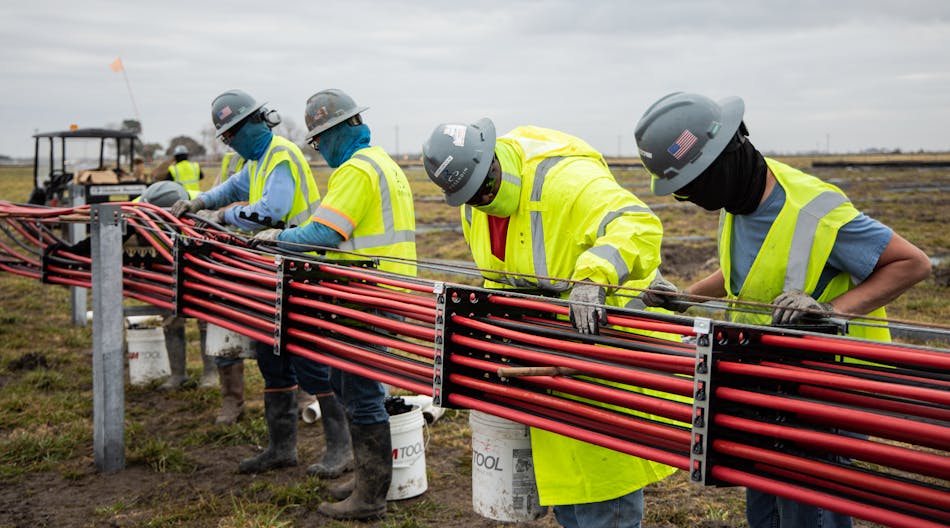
(108, 374)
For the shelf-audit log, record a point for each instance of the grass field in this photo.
(181, 468)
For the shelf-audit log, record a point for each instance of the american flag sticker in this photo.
(681, 146)
(224, 112)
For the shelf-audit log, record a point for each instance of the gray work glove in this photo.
(788, 308)
(212, 215)
(181, 207)
(268, 235)
(659, 300)
(586, 317)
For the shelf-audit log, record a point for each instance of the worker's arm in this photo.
(713, 285)
(275, 203)
(900, 266)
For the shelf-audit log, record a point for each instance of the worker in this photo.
(231, 163)
(785, 238)
(368, 210)
(540, 209)
(183, 171)
(278, 186)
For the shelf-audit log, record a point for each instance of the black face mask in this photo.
(734, 182)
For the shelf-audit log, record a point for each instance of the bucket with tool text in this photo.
(503, 485)
(146, 352)
(406, 425)
(222, 342)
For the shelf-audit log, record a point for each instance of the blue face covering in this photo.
(340, 142)
(252, 139)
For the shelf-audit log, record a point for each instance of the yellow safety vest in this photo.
(186, 173)
(796, 248)
(548, 237)
(306, 196)
(230, 164)
(389, 227)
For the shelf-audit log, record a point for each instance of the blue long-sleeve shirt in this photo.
(312, 234)
(275, 203)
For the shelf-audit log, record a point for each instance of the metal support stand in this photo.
(77, 296)
(108, 374)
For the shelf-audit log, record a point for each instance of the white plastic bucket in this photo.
(227, 343)
(148, 358)
(503, 485)
(409, 455)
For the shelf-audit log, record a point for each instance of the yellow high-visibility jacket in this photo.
(186, 173)
(796, 248)
(573, 222)
(369, 203)
(306, 196)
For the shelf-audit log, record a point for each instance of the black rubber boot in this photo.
(372, 447)
(280, 411)
(338, 457)
(175, 345)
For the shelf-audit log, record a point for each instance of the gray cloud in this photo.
(852, 74)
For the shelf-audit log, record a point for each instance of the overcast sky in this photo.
(845, 75)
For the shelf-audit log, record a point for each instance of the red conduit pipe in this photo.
(886, 455)
(822, 500)
(427, 334)
(237, 263)
(860, 421)
(641, 425)
(429, 319)
(54, 279)
(836, 380)
(25, 233)
(363, 299)
(868, 351)
(380, 291)
(625, 433)
(611, 351)
(619, 320)
(381, 279)
(406, 365)
(845, 367)
(235, 298)
(241, 274)
(16, 271)
(827, 472)
(148, 274)
(671, 364)
(881, 499)
(658, 455)
(235, 315)
(10, 250)
(150, 234)
(129, 283)
(356, 333)
(250, 291)
(681, 386)
(383, 377)
(871, 402)
(168, 305)
(682, 412)
(230, 325)
(79, 259)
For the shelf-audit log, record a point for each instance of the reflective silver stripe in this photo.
(538, 252)
(304, 215)
(612, 255)
(390, 235)
(373, 241)
(613, 215)
(511, 178)
(336, 219)
(636, 303)
(468, 214)
(804, 236)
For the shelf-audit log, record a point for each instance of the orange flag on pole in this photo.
(117, 65)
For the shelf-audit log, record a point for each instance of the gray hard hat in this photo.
(230, 108)
(457, 158)
(682, 134)
(180, 150)
(164, 193)
(328, 108)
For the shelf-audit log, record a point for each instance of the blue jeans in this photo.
(287, 370)
(623, 512)
(362, 397)
(764, 510)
